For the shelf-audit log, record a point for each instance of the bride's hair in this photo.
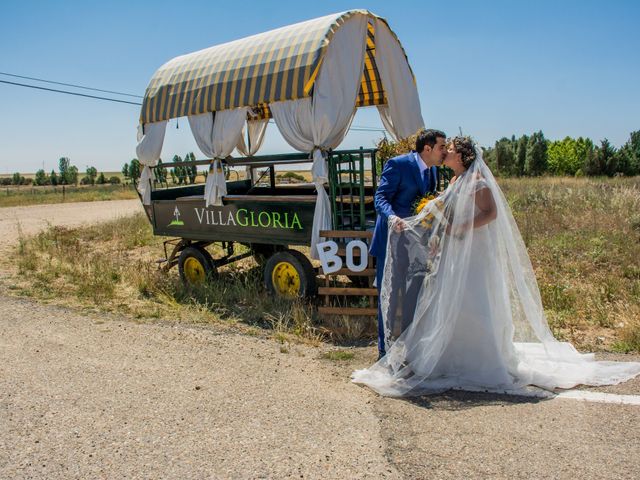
(464, 146)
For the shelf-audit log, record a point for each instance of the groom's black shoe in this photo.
(380, 355)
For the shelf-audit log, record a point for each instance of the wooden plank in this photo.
(345, 234)
(342, 252)
(355, 199)
(271, 198)
(352, 311)
(347, 291)
(367, 272)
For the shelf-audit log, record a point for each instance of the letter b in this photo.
(327, 251)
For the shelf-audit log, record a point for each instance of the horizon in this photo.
(492, 70)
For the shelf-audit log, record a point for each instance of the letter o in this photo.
(359, 244)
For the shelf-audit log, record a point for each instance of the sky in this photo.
(490, 68)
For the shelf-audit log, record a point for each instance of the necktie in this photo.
(425, 179)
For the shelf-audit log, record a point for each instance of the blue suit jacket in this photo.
(400, 186)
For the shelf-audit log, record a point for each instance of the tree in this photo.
(134, 169)
(160, 172)
(125, 171)
(53, 178)
(628, 161)
(536, 157)
(489, 155)
(17, 179)
(606, 159)
(505, 157)
(521, 155)
(191, 171)
(92, 173)
(41, 178)
(72, 175)
(63, 167)
(101, 180)
(114, 180)
(179, 170)
(563, 157)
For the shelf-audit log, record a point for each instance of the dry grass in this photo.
(112, 267)
(37, 195)
(583, 237)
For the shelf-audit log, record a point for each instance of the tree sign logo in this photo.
(176, 221)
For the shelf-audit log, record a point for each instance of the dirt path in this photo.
(33, 218)
(98, 396)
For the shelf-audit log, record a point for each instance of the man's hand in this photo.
(398, 224)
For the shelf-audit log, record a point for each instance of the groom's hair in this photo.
(428, 137)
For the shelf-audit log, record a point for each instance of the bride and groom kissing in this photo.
(459, 306)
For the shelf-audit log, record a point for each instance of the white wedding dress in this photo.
(478, 322)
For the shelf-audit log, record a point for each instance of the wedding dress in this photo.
(477, 323)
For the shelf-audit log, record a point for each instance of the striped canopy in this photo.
(278, 65)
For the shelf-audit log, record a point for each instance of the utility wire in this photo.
(354, 127)
(69, 85)
(69, 93)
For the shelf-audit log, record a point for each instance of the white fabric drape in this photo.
(255, 135)
(217, 135)
(150, 140)
(319, 124)
(402, 116)
(255, 130)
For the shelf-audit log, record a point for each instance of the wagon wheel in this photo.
(195, 266)
(262, 251)
(289, 274)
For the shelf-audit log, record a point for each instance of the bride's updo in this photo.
(464, 146)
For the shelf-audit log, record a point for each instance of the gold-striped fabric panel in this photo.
(278, 65)
(371, 91)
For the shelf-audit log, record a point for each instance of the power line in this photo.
(353, 127)
(70, 93)
(69, 85)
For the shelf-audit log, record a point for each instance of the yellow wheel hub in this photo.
(194, 270)
(286, 280)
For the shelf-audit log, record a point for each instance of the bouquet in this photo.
(433, 231)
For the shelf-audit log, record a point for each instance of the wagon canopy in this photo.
(309, 77)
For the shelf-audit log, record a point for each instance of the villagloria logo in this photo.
(247, 218)
(176, 220)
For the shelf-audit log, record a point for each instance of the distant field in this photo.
(13, 196)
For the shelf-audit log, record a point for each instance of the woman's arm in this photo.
(487, 206)
(487, 213)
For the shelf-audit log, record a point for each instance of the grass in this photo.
(583, 237)
(112, 267)
(338, 355)
(13, 196)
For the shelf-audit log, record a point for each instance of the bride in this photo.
(479, 322)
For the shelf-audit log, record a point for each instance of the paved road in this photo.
(99, 396)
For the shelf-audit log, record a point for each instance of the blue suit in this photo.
(401, 184)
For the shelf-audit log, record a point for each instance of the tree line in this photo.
(67, 174)
(533, 155)
(179, 175)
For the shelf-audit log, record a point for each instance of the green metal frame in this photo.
(348, 187)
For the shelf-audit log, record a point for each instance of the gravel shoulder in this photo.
(33, 218)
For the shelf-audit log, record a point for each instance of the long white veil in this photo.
(442, 274)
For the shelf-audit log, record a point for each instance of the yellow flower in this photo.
(423, 203)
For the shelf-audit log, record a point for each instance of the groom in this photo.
(404, 179)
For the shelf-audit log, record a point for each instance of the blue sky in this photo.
(492, 68)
